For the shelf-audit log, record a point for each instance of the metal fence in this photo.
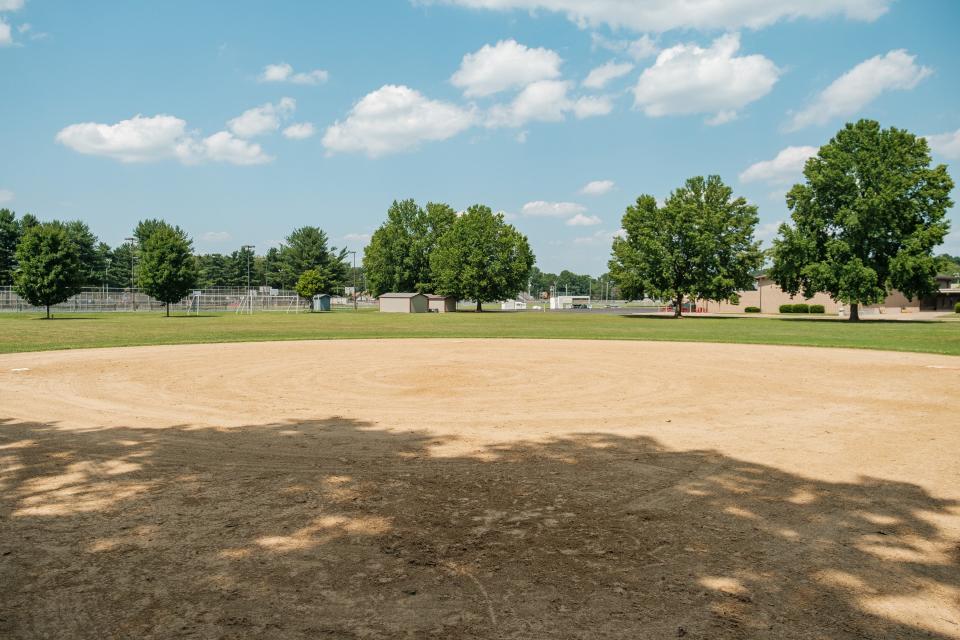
(221, 299)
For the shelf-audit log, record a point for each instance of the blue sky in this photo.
(241, 121)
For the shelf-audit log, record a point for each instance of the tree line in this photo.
(865, 221)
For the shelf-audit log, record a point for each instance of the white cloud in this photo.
(522, 136)
(687, 79)
(786, 167)
(5, 38)
(505, 65)
(263, 119)
(600, 76)
(299, 131)
(11, 5)
(581, 220)
(946, 144)
(283, 72)
(361, 238)
(597, 187)
(139, 139)
(600, 237)
(543, 209)
(546, 101)
(216, 236)
(222, 147)
(664, 15)
(6, 196)
(639, 49)
(146, 139)
(395, 118)
(590, 106)
(767, 231)
(896, 70)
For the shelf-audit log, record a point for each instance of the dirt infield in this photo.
(479, 489)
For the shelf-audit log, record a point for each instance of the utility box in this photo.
(321, 302)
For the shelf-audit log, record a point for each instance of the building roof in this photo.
(434, 296)
(394, 294)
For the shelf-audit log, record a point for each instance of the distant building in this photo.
(321, 302)
(403, 303)
(570, 302)
(513, 305)
(441, 304)
(768, 296)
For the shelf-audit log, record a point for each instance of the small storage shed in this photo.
(441, 304)
(321, 302)
(403, 303)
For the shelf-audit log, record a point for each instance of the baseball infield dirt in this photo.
(479, 489)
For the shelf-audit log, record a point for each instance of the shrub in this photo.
(956, 308)
(734, 299)
(786, 308)
(801, 307)
(757, 310)
(817, 308)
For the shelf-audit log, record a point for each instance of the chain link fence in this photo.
(219, 299)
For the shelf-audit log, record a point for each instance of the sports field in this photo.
(478, 488)
(23, 332)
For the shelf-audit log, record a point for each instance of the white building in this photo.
(513, 305)
(570, 302)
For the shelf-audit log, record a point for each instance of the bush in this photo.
(956, 308)
(734, 299)
(786, 308)
(817, 308)
(801, 307)
(752, 310)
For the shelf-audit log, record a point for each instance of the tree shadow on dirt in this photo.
(339, 529)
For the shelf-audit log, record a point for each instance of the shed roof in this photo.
(394, 294)
(434, 296)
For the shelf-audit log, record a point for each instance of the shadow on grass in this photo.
(346, 529)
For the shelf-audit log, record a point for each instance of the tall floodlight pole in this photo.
(248, 249)
(133, 295)
(354, 279)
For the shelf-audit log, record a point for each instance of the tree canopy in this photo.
(398, 256)
(698, 244)
(481, 258)
(866, 220)
(167, 268)
(311, 283)
(9, 238)
(305, 249)
(49, 269)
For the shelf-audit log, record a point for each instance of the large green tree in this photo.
(167, 270)
(398, 256)
(699, 244)
(90, 259)
(307, 248)
(866, 220)
(9, 238)
(311, 283)
(49, 269)
(481, 258)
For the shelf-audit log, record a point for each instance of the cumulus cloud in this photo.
(299, 131)
(11, 5)
(5, 38)
(639, 49)
(600, 76)
(284, 72)
(601, 237)
(664, 15)
(147, 139)
(546, 101)
(581, 220)
(946, 144)
(505, 65)
(544, 209)
(361, 238)
(395, 118)
(597, 187)
(6, 196)
(786, 167)
(895, 70)
(263, 119)
(687, 79)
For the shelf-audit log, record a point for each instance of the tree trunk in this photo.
(168, 308)
(854, 312)
(678, 306)
(479, 306)
(48, 312)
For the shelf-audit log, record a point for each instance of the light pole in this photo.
(354, 279)
(248, 249)
(133, 295)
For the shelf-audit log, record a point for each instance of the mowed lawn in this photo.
(26, 332)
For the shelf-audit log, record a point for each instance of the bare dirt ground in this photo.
(479, 489)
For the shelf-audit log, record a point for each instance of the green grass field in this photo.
(23, 332)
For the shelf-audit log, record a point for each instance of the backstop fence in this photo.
(221, 299)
